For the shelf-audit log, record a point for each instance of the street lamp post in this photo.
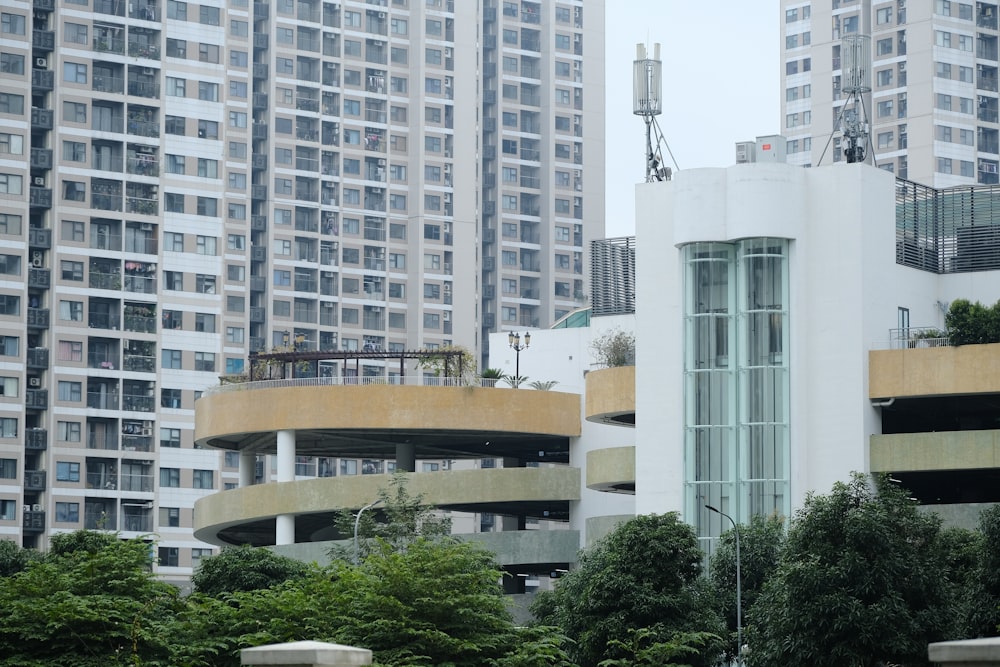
(357, 522)
(514, 340)
(739, 591)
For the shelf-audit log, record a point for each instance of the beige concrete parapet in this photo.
(983, 652)
(611, 469)
(940, 450)
(228, 419)
(611, 396)
(934, 371)
(306, 654)
(448, 488)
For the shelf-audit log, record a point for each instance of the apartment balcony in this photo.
(38, 358)
(105, 441)
(102, 477)
(138, 443)
(142, 166)
(258, 254)
(42, 80)
(139, 484)
(142, 205)
(44, 5)
(258, 284)
(140, 323)
(43, 40)
(147, 89)
(38, 318)
(258, 223)
(34, 480)
(39, 278)
(139, 49)
(260, 41)
(140, 284)
(40, 238)
(146, 11)
(104, 44)
(36, 439)
(140, 364)
(261, 71)
(102, 400)
(42, 119)
(41, 158)
(261, 11)
(102, 201)
(36, 399)
(110, 281)
(257, 343)
(258, 192)
(257, 315)
(138, 403)
(33, 521)
(103, 83)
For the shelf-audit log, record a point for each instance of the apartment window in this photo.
(208, 206)
(208, 129)
(883, 16)
(8, 468)
(942, 70)
(167, 556)
(942, 38)
(8, 510)
(885, 139)
(177, 10)
(170, 358)
(176, 48)
(9, 346)
(10, 305)
(239, 59)
(397, 202)
(965, 43)
(204, 283)
(204, 361)
(967, 168)
(239, 28)
(71, 311)
(204, 479)
(170, 517)
(235, 273)
(9, 387)
(8, 427)
(11, 184)
(67, 512)
(208, 53)
(237, 119)
(68, 431)
(944, 165)
(965, 74)
(71, 270)
(75, 33)
(204, 322)
(208, 92)
(170, 437)
(399, 55)
(884, 77)
(237, 150)
(399, 84)
(12, 24)
(170, 398)
(236, 242)
(399, 27)
(175, 125)
(235, 335)
(11, 104)
(170, 477)
(397, 260)
(69, 350)
(67, 471)
(208, 168)
(884, 109)
(74, 190)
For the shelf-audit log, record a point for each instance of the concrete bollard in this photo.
(983, 652)
(306, 654)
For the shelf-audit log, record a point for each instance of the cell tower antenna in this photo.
(648, 102)
(856, 61)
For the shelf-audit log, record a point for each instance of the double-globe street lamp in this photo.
(739, 587)
(514, 339)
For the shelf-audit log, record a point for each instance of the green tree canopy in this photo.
(91, 601)
(645, 575)
(859, 583)
(244, 569)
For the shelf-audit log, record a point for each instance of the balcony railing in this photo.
(140, 483)
(108, 84)
(137, 443)
(36, 439)
(102, 479)
(140, 323)
(109, 44)
(140, 364)
(101, 400)
(911, 337)
(137, 403)
(105, 441)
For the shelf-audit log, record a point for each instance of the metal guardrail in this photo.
(913, 337)
(348, 381)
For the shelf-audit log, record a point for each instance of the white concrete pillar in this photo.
(284, 524)
(286, 456)
(248, 468)
(284, 529)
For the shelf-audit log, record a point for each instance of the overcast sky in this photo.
(720, 85)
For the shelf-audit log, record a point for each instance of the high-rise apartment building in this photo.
(933, 107)
(183, 184)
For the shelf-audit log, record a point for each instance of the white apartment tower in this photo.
(183, 184)
(934, 105)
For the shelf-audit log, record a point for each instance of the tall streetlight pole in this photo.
(514, 340)
(739, 587)
(357, 522)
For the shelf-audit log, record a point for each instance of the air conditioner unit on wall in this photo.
(41, 63)
(36, 507)
(34, 382)
(39, 181)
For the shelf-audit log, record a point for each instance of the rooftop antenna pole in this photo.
(648, 103)
(856, 58)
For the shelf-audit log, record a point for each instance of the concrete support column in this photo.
(406, 458)
(286, 456)
(284, 524)
(248, 468)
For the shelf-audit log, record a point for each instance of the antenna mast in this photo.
(856, 58)
(647, 102)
